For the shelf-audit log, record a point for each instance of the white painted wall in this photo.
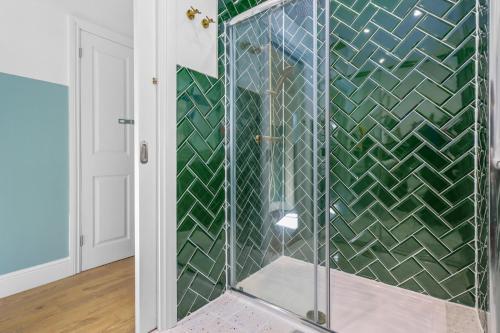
(34, 33)
(197, 46)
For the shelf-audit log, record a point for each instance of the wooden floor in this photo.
(99, 300)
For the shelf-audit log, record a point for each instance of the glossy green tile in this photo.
(461, 78)
(384, 216)
(383, 255)
(383, 176)
(462, 54)
(433, 179)
(407, 186)
(386, 20)
(434, 92)
(406, 270)
(408, 84)
(432, 199)
(460, 190)
(460, 123)
(435, 48)
(363, 184)
(458, 102)
(460, 213)
(459, 236)
(435, 27)
(406, 45)
(406, 25)
(385, 40)
(345, 14)
(435, 71)
(383, 196)
(460, 146)
(362, 166)
(463, 30)
(408, 65)
(382, 274)
(460, 282)
(406, 249)
(410, 284)
(459, 259)
(437, 7)
(362, 259)
(431, 221)
(431, 286)
(459, 11)
(432, 265)
(431, 243)
(434, 136)
(362, 222)
(405, 208)
(407, 146)
(386, 4)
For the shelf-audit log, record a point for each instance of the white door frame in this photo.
(167, 151)
(146, 175)
(75, 27)
(156, 193)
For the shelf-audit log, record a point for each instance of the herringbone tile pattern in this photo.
(200, 174)
(274, 77)
(402, 156)
(257, 164)
(402, 170)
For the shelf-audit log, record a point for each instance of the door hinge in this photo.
(155, 81)
(80, 52)
(82, 240)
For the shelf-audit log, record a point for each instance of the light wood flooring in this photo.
(98, 300)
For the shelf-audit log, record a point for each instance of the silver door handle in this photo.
(126, 121)
(144, 155)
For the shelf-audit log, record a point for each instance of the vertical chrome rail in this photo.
(327, 162)
(231, 135)
(315, 156)
(494, 127)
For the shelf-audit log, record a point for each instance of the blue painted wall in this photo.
(34, 184)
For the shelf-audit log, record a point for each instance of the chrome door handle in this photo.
(126, 121)
(144, 155)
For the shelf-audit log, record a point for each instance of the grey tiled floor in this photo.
(233, 313)
(358, 305)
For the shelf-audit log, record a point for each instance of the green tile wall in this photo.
(402, 154)
(276, 178)
(200, 177)
(258, 241)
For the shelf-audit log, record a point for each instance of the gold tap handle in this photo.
(260, 138)
(206, 22)
(191, 13)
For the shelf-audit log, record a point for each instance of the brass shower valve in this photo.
(206, 22)
(192, 12)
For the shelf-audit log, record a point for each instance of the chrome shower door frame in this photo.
(230, 153)
(494, 168)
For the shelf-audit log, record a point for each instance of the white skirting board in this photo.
(35, 276)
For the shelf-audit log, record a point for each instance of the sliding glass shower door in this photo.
(277, 91)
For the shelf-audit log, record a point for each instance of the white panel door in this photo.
(107, 151)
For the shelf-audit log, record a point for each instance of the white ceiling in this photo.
(116, 15)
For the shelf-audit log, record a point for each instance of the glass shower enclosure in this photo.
(277, 88)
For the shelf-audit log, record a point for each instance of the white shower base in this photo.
(358, 304)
